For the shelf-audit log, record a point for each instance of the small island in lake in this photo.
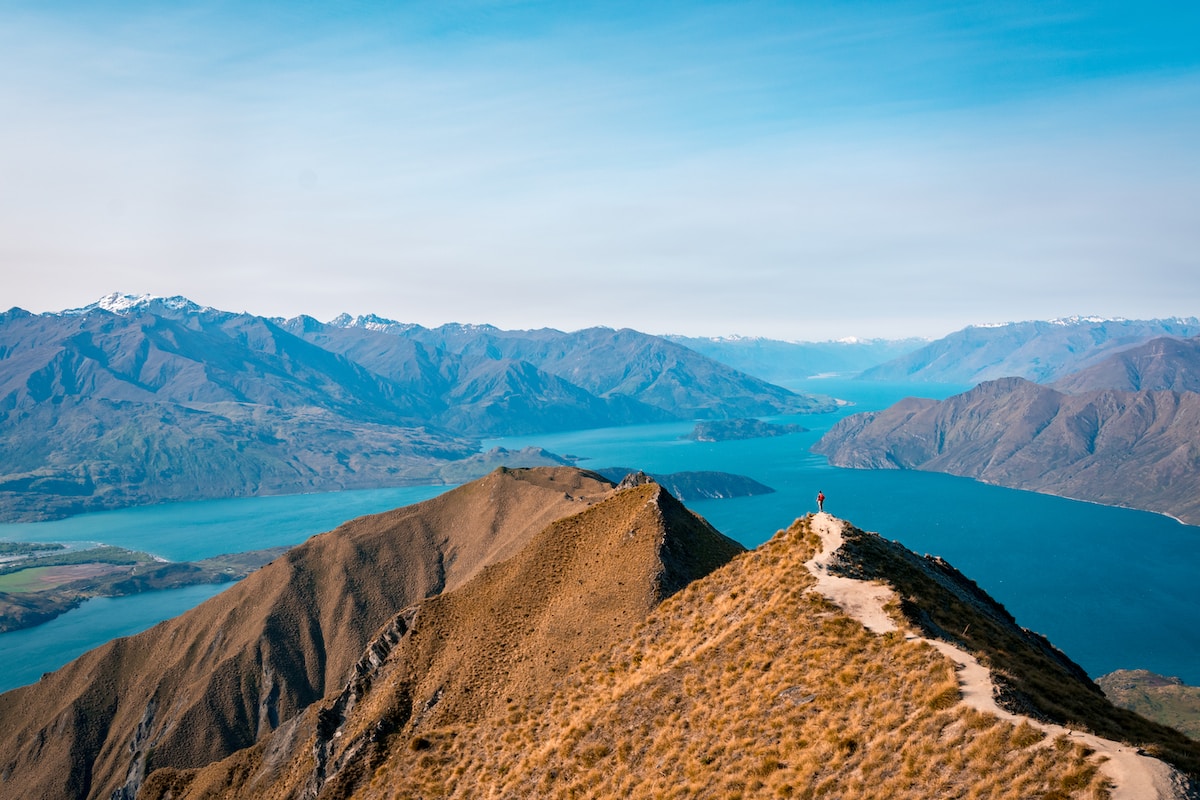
(725, 430)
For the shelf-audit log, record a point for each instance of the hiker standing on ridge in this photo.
(820, 501)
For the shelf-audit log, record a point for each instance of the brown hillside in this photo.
(194, 689)
(536, 680)
(467, 656)
(1164, 364)
(1135, 449)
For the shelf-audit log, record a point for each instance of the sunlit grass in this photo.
(745, 684)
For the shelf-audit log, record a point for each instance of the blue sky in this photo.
(788, 169)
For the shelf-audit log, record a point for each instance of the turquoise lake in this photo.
(1114, 588)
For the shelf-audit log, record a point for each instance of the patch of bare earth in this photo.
(53, 577)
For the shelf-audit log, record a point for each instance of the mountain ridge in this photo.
(614, 644)
(135, 400)
(1134, 449)
(1162, 364)
(1040, 351)
(592, 730)
(256, 655)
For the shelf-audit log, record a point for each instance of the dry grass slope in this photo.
(746, 685)
(1036, 679)
(466, 655)
(742, 684)
(219, 678)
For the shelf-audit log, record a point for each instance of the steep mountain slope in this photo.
(1163, 364)
(179, 353)
(470, 655)
(625, 363)
(783, 362)
(77, 455)
(478, 394)
(543, 677)
(219, 678)
(169, 401)
(1136, 449)
(538, 633)
(1037, 351)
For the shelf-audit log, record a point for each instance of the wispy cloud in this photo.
(784, 169)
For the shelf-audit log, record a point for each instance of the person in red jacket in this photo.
(820, 501)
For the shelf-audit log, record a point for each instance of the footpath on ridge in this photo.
(1134, 776)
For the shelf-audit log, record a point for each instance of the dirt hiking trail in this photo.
(1133, 776)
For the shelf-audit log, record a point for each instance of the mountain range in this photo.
(135, 400)
(546, 633)
(1040, 351)
(1162, 364)
(1123, 431)
(785, 362)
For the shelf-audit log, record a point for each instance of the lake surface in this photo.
(1114, 588)
(177, 532)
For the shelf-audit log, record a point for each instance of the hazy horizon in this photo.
(798, 171)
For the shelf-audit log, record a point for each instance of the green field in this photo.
(27, 580)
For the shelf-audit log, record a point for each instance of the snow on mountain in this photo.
(118, 303)
(371, 322)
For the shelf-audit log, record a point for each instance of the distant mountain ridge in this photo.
(1163, 364)
(1035, 350)
(1134, 449)
(144, 399)
(609, 364)
(1121, 430)
(785, 361)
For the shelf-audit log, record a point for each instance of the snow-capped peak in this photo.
(1077, 319)
(370, 322)
(118, 303)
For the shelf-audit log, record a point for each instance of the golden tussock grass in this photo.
(745, 684)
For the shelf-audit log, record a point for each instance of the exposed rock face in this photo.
(1037, 351)
(1136, 449)
(222, 676)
